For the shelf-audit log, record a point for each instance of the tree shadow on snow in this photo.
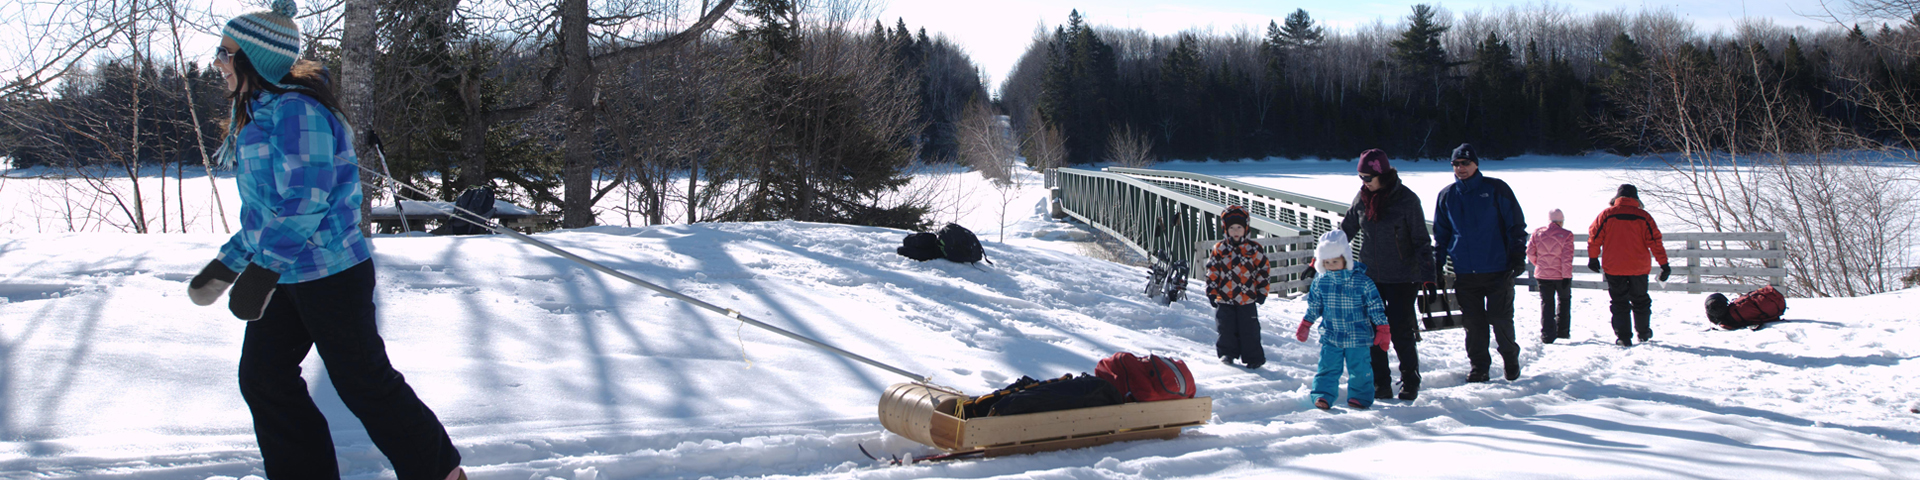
(1792, 361)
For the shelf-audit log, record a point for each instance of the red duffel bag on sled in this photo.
(1147, 379)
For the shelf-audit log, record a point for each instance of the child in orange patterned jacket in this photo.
(1237, 284)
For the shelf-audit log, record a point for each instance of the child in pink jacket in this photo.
(1551, 253)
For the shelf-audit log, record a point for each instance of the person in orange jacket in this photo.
(1627, 236)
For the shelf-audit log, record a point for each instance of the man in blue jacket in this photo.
(1478, 222)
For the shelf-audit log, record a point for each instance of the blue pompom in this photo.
(284, 8)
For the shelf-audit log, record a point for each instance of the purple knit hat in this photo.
(1374, 162)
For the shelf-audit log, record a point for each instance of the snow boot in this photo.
(1356, 405)
(1477, 376)
(1321, 403)
(1512, 360)
(1623, 342)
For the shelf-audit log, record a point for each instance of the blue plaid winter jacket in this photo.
(299, 186)
(1351, 305)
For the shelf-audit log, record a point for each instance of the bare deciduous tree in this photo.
(58, 36)
(1128, 148)
(1045, 146)
(987, 144)
(1736, 133)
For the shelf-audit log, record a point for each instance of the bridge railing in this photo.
(1146, 216)
(1313, 214)
(1157, 210)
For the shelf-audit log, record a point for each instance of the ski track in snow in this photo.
(544, 369)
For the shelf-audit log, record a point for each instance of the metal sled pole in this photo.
(728, 312)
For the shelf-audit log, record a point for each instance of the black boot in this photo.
(1409, 390)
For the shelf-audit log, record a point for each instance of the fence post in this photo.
(1693, 273)
(1775, 245)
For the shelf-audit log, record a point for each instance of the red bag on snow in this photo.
(1758, 306)
(1147, 379)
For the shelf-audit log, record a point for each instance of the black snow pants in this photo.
(1239, 327)
(334, 314)
(1556, 309)
(1402, 322)
(1486, 300)
(1632, 307)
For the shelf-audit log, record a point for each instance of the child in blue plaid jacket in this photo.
(300, 271)
(1356, 320)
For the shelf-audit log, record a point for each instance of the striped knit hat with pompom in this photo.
(270, 39)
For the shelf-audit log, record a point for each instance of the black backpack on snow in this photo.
(960, 245)
(920, 246)
(478, 200)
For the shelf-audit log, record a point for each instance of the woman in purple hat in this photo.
(1398, 251)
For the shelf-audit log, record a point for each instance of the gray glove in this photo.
(210, 283)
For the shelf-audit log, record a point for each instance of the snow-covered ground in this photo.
(542, 368)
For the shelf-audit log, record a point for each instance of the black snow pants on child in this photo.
(335, 315)
(1239, 327)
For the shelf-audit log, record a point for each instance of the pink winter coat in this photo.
(1551, 252)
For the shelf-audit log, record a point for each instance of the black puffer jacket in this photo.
(1397, 248)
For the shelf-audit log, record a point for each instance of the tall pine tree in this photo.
(1078, 89)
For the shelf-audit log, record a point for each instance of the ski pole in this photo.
(399, 206)
(727, 312)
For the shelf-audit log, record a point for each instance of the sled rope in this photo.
(727, 312)
(739, 335)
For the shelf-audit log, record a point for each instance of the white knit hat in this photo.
(1332, 244)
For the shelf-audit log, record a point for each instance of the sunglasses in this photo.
(1367, 178)
(222, 55)
(1460, 163)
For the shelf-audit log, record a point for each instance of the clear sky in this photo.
(995, 32)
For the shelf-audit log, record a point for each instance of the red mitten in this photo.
(1382, 337)
(1301, 334)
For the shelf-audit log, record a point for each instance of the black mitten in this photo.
(210, 283)
(251, 292)
(1665, 271)
(1593, 263)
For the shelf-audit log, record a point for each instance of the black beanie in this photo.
(1627, 190)
(1465, 152)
